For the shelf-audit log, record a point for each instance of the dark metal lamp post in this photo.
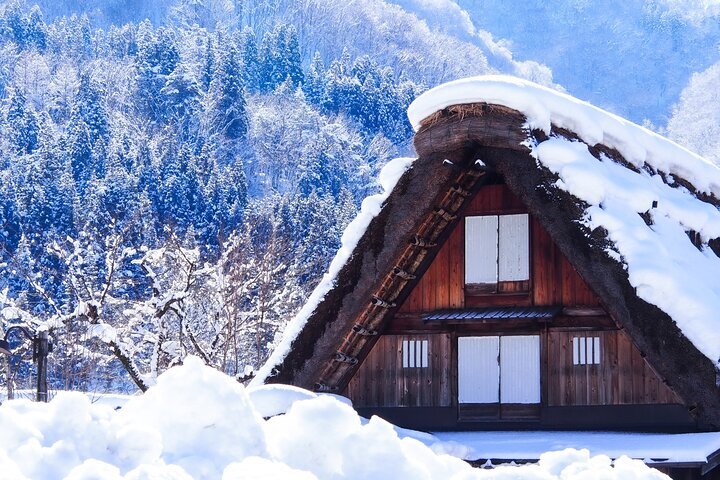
(41, 348)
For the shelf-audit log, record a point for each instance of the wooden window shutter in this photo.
(481, 250)
(520, 369)
(513, 248)
(478, 369)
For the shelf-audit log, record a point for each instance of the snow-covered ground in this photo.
(199, 423)
(654, 448)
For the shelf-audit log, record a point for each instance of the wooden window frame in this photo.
(506, 287)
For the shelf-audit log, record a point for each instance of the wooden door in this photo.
(520, 369)
(498, 377)
(478, 370)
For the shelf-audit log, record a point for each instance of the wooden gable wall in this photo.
(624, 377)
(553, 280)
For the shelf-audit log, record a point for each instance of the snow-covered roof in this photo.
(653, 448)
(545, 107)
(369, 209)
(664, 266)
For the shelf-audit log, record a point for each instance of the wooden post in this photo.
(42, 346)
(10, 391)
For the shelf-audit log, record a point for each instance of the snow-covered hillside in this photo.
(197, 423)
(632, 57)
(695, 122)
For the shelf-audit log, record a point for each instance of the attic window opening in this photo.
(586, 350)
(414, 353)
(497, 254)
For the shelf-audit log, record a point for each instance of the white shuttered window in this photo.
(513, 248)
(497, 249)
(478, 369)
(481, 249)
(520, 369)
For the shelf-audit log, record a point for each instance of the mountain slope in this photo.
(631, 57)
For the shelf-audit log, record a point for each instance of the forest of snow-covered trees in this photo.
(176, 174)
(177, 189)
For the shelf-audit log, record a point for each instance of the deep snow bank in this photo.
(199, 423)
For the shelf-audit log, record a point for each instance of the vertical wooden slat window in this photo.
(513, 248)
(414, 353)
(576, 351)
(596, 350)
(423, 354)
(406, 353)
(586, 350)
(481, 249)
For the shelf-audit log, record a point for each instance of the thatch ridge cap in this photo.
(545, 109)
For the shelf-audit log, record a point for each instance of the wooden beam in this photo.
(713, 460)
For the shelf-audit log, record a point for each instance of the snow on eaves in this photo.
(544, 107)
(663, 265)
(370, 208)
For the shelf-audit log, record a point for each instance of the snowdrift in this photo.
(199, 423)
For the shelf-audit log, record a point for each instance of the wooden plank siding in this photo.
(622, 376)
(553, 280)
(383, 381)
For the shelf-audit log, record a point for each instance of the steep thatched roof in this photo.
(522, 139)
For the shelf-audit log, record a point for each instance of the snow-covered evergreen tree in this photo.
(35, 30)
(225, 104)
(176, 189)
(23, 128)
